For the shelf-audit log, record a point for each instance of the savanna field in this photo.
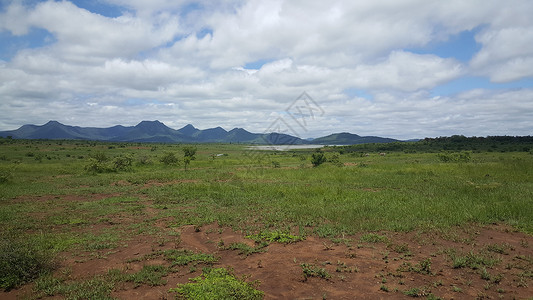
(94, 220)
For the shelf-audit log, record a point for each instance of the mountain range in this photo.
(157, 132)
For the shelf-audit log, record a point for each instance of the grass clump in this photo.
(151, 275)
(310, 270)
(245, 249)
(472, 260)
(218, 283)
(373, 238)
(182, 257)
(99, 287)
(22, 261)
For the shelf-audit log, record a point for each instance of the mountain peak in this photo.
(188, 130)
(52, 123)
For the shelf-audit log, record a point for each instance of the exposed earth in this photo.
(450, 264)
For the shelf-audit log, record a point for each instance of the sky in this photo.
(393, 68)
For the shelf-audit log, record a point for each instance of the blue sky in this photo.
(403, 69)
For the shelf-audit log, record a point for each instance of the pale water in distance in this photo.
(284, 147)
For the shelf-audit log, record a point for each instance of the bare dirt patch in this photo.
(381, 265)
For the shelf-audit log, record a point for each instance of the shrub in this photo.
(169, 158)
(121, 163)
(95, 166)
(318, 158)
(5, 175)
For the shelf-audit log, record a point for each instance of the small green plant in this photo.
(275, 236)
(499, 248)
(150, 274)
(310, 270)
(384, 288)
(373, 238)
(471, 260)
(182, 257)
(244, 249)
(456, 289)
(414, 292)
(218, 284)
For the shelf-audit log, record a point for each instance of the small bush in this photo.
(5, 175)
(122, 163)
(169, 158)
(318, 158)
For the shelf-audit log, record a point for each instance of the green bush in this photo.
(318, 158)
(5, 175)
(218, 284)
(22, 261)
(122, 163)
(169, 158)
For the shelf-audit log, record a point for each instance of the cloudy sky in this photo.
(394, 68)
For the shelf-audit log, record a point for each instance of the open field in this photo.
(94, 220)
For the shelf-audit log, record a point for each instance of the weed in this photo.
(456, 289)
(416, 292)
(218, 284)
(275, 236)
(373, 238)
(499, 248)
(244, 249)
(384, 288)
(402, 248)
(471, 260)
(150, 274)
(184, 257)
(310, 270)
(423, 267)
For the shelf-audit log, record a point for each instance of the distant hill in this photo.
(157, 132)
(346, 138)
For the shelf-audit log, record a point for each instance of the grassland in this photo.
(87, 201)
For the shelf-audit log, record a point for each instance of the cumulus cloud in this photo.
(240, 63)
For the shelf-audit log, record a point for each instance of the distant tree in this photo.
(188, 155)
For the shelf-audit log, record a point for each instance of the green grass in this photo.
(218, 284)
(182, 257)
(56, 198)
(245, 249)
(472, 260)
(22, 261)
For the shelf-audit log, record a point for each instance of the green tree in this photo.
(188, 155)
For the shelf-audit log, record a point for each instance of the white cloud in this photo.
(183, 62)
(507, 53)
